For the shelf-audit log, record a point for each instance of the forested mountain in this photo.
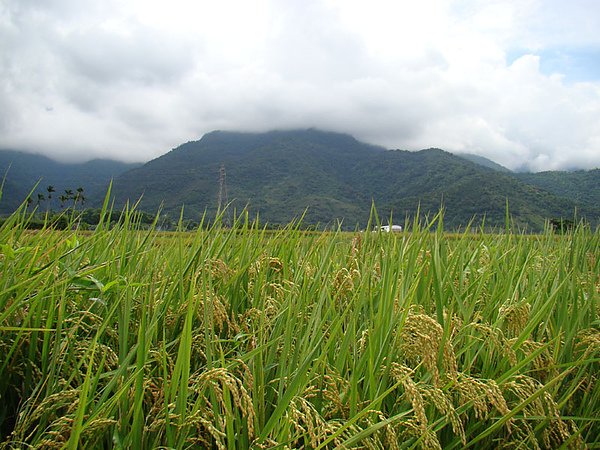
(280, 174)
(23, 170)
(277, 174)
(583, 186)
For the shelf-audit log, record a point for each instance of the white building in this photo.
(392, 228)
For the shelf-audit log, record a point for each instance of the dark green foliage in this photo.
(562, 225)
(89, 218)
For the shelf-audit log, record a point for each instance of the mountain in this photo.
(581, 186)
(429, 178)
(281, 173)
(278, 174)
(23, 170)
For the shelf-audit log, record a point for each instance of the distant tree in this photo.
(69, 195)
(562, 225)
(50, 190)
(79, 196)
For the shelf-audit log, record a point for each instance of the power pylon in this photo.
(223, 200)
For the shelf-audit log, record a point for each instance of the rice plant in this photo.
(239, 337)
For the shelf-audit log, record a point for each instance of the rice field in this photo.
(240, 338)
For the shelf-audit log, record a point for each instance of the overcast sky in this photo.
(517, 81)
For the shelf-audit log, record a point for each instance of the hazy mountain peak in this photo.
(483, 161)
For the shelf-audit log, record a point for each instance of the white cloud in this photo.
(132, 79)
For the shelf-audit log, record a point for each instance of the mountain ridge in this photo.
(332, 176)
(280, 174)
(22, 171)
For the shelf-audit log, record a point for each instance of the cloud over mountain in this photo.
(132, 79)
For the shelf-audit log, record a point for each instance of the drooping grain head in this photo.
(421, 339)
(515, 315)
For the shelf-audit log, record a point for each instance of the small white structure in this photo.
(392, 228)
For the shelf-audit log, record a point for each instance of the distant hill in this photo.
(279, 174)
(582, 186)
(24, 170)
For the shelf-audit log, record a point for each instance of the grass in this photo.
(243, 338)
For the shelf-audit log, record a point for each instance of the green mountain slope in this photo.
(279, 174)
(582, 186)
(24, 170)
(433, 177)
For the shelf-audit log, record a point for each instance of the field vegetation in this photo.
(235, 338)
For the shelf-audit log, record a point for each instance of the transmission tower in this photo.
(223, 200)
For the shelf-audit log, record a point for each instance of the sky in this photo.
(517, 81)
